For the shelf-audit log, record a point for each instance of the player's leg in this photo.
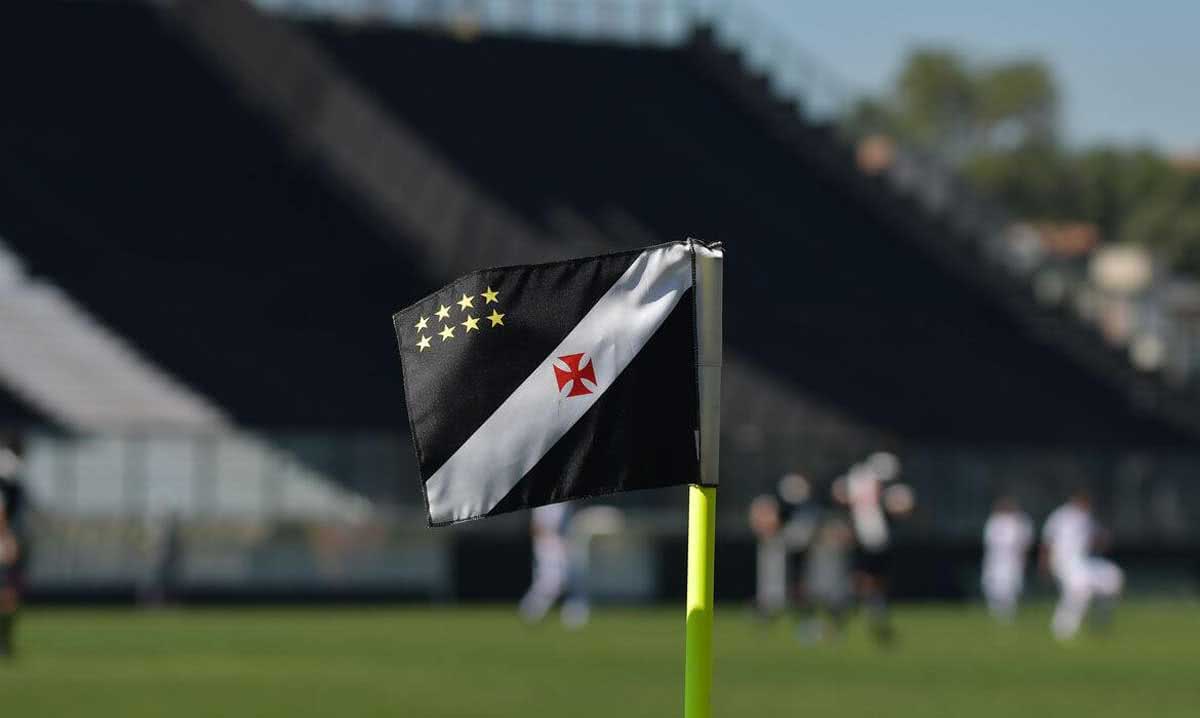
(771, 577)
(11, 580)
(873, 586)
(992, 593)
(1002, 587)
(1105, 577)
(838, 609)
(577, 608)
(875, 603)
(1072, 603)
(576, 612)
(1016, 587)
(811, 608)
(999, 604)
(1106, 581)
(10, 604)
(550, 568)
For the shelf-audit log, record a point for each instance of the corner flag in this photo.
(533, 384)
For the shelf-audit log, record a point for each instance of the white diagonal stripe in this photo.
(535, 416)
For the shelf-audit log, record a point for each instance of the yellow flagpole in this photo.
(702, 497)
(698, 660)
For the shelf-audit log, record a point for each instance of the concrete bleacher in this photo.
(199, 233)
(74, 372)
(188, 222)
(826, 290)
(132, 178)
(236, 251)
(173, 275)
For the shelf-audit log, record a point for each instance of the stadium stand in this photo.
(445, 215)
(243, 200)
(184, 220)
(826, 288)
(130, 178)
(667, 151)
(79, 375)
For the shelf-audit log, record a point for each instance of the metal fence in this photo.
(278, 513)
(657, 22)
(352, 477)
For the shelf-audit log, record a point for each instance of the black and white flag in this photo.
(529, 385)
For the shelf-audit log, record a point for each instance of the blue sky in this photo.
(1128, 68)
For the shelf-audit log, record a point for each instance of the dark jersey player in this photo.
(13, 546)
(869, 504)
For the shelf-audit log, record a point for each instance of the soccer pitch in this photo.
(483, 662)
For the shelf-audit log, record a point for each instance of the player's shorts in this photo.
(1003, 578)
(873, 563)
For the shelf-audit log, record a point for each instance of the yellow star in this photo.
(443, 312)
(490, 295)
(496, 317)
(465, 302)
(471, 323)
(422, 324)
(423, 344)
(446, 333)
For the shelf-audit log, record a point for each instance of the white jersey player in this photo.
(770, 596)
(1067, 541)
(551, 564)
(1007, 536)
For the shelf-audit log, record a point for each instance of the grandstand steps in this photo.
(226, 32)
(390, 171)
(840, 287)
(387, 180)
(228, 475)
(951, 237)
(80, 375)
(185, 273)
(193, 229)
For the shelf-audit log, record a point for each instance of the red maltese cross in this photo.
(574, 374)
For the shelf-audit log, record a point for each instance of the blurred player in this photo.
(551, 563)
(1006, 539)
(801, 517)
(9, 555)
(13, 547)
(585, 527)
(770, 595)
(827, 580)
(862, 491)
(1068, 538)
(784, 526)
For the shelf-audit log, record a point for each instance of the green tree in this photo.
(1113, 182)
(999, 125)
(941, 101)
(936, 100)
(1036, 181)
(1017, 104)
(1167, 219)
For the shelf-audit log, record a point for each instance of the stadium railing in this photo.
(349, 476)
(339, 515)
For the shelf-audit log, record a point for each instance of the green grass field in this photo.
(483, 662)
